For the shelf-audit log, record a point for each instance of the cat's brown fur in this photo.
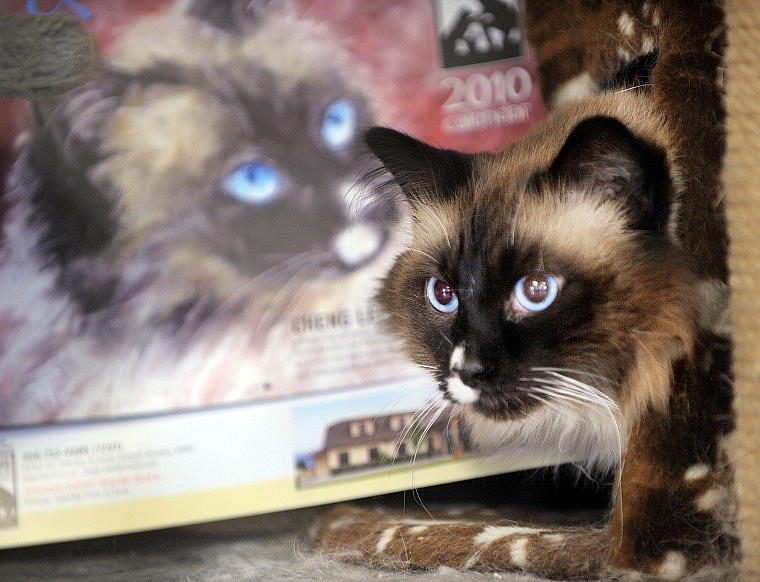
(661, 348)
(581, 45)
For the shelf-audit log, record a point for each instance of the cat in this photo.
(165, 215)
(568, 293)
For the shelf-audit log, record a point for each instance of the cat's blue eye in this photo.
(535, 292)
(254, 183)
(441, 296)
(339, 124)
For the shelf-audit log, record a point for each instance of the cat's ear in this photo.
(422, 171)
(603, 157)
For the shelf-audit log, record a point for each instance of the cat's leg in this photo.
(398, 541)
(674, 512)
(582, 46)
(688, 89)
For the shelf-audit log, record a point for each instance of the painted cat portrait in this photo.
(568, 293)
(164, 216)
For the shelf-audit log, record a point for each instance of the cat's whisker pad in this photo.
(461, 392)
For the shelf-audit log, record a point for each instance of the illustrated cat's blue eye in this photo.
(339, 124)
(535, 292)
(255, 183)
(441, 295)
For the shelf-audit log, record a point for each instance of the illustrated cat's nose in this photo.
(358, 244)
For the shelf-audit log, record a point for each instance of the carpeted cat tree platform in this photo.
(742, 190)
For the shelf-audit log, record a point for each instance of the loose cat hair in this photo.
(552, 290)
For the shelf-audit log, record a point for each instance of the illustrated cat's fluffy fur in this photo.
(569, 293)
(165, 215)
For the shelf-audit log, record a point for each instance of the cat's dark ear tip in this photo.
(232, 16)
(604, 155)
(418, 167)
(373, 134)
(378, 136)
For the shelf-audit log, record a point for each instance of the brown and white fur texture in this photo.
(139, 272)
(569, 293)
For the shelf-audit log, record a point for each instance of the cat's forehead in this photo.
(575, 228)
(494, 221)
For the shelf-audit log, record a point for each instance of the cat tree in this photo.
(743, 208)
(61, 55)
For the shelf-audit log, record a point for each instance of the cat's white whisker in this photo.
(406, 431)
(448, 340)
(570, 407)
(565, 371)
(574, 393)
(424, 254)
(442, 406)
(546, 402)
(430, 422)
(443, 228)
(427, 367)
(428, 410)
(404, 434)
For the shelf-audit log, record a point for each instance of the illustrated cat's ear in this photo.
(234, 16)
(422, 171)
(603, 157)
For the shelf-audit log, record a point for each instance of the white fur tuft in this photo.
(575, 422)
(461, 392)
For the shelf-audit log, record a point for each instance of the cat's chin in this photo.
(593, 437)
(460, 392)
(500, 406)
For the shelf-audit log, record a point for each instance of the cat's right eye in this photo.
(441, 296)
(255, 183)
(535, 292)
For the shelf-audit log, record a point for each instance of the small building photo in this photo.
(368, 443)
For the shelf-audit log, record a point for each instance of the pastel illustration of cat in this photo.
(568, 293)
(165, 215)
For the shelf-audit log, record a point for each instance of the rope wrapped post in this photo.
(743, 211)
(44, 55)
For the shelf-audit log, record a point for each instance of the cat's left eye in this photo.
(254, 183)
(339, 124)
(441, 296)
(535, 292)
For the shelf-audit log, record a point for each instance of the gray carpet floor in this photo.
(277, 547)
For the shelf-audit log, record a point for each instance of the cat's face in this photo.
(246, 175)
(540, 288)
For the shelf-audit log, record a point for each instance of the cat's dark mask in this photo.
(529, 266)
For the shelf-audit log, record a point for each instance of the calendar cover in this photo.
(189, 254)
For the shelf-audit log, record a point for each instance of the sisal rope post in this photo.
(743, 211)
(44, 55)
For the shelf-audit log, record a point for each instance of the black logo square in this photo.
(472, 32)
